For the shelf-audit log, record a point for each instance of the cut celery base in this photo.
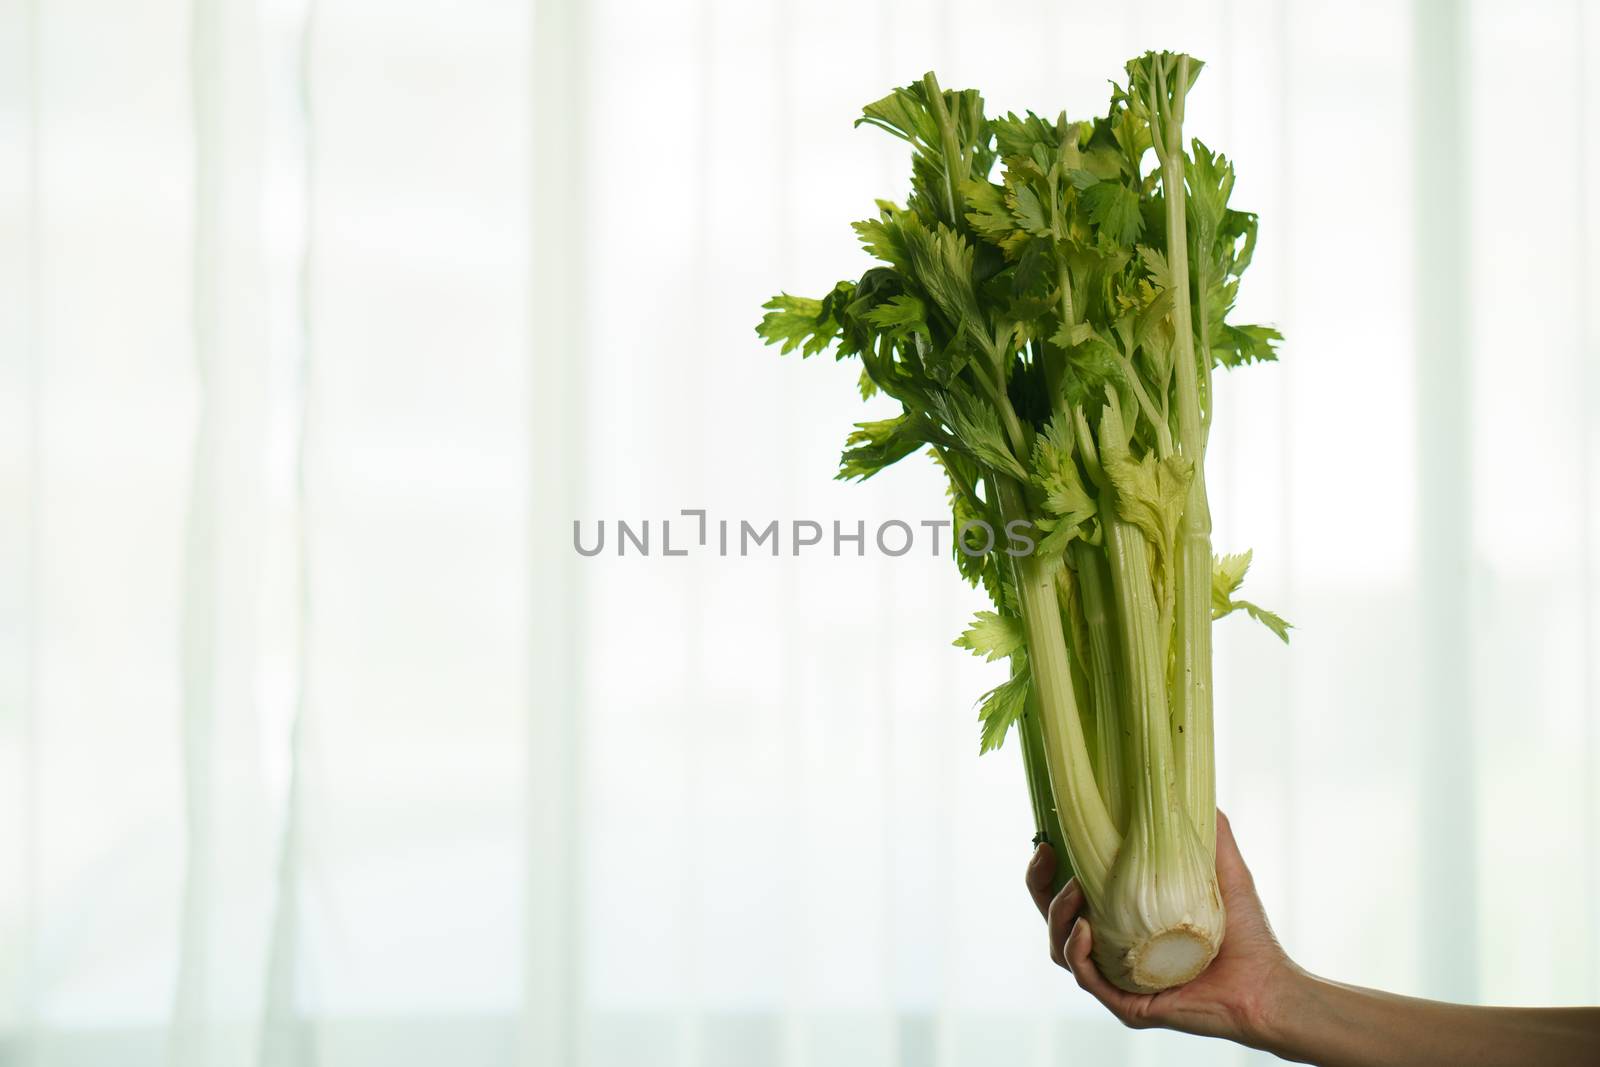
(1170, 958)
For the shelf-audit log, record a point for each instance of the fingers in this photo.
(1062, 911)
(1231, 869)
(1041, 869)
(1071, 940)
(1121, 1003)
(1225, 839)
(1076, 949)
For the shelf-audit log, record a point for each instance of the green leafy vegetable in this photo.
(992, 635)
(1050, 334)
(1227, 575)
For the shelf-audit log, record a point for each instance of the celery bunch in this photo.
(1050, 338)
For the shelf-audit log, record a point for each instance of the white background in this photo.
(323, 321)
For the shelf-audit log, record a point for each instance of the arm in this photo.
(1255, 995)
(1337, 1025)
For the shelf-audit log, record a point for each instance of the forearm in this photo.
(1334, 1025)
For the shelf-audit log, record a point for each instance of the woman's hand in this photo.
(1254, 994)
(1237, 997)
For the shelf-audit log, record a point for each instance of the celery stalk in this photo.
(1049, 338)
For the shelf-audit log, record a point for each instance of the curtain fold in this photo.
(191, 1009)
(552, 997)
(284, 1041)
(1447, 787)
(21, 382)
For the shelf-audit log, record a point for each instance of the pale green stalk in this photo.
(1037, 772)
(1105, 680)
(1191, 690)
(1091, 838)
(1149, 742)
(1161, 919)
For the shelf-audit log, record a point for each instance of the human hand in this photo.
(1237, 997)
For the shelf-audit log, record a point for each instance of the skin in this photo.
(1254, 994)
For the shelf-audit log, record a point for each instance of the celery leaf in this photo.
(1227, 575)
(1003, 706)
(992, 635)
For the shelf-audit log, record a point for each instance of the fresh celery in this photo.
(1050, 338)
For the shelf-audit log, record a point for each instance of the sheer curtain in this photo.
(320, 744)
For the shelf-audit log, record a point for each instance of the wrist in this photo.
(1275, 1016)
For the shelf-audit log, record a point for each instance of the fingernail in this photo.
(1038, 857)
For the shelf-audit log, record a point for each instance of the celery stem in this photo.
(1191, 694)
(1149, 760)
(1037, 772)
(1104, 680)
(1090, 837)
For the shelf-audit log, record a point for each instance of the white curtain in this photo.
(325, 319)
